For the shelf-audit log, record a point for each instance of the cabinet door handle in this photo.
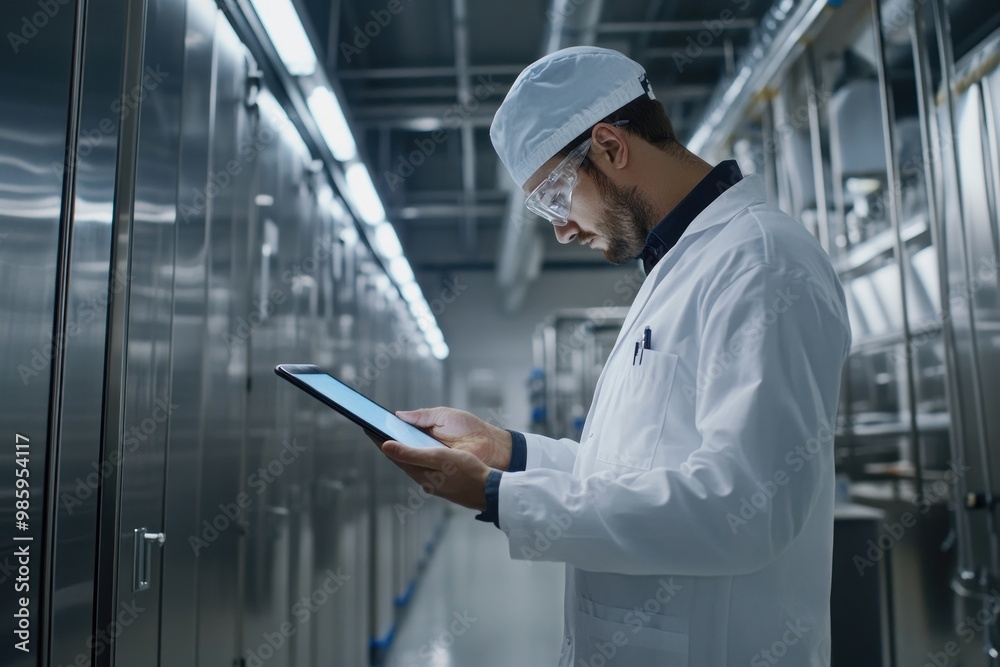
(143, 561)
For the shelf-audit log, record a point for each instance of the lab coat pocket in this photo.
(629, 638)
(634, 409)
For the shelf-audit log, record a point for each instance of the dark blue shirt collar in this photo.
(669, 230)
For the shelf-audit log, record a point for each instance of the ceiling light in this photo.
(440, 351)
(387, 242)
(362, 190)
(411, 292)
(400, 270)
(422, 314)
(329, 117)
(284, 29)
(349, 236)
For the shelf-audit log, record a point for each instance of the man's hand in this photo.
(452, 474)
(463, 431)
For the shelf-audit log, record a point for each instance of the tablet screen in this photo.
(367, 410)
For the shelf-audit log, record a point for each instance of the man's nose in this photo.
(566, 233)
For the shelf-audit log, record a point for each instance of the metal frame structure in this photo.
(899, 458)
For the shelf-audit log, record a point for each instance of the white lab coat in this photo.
(696, 516)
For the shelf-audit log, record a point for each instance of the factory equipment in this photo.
(570, 348)
(875, 124)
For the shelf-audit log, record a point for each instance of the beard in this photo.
(626, 220)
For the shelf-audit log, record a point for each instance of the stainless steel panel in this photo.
(270, 407)
(36, 63)
(225, 362)
(982, 342)
(359, 460)
(148, 400)
(90, 290)
(189, 543)
(223, 285)
(960, 194)
(327, 512)
(298, 279)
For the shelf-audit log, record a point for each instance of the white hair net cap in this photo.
(557, 98)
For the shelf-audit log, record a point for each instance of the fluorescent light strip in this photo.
(400, 270)
(363, 193)
(284, 29)
(421, 312)
(411, 292)
(275, 114)
(329, 116)
(388, 244)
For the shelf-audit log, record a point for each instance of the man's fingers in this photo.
(423, 418)
(418, 475)
(400, 453)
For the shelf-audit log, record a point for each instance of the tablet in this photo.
(358, 408)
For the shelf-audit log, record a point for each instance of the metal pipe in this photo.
(549, 336)
(947, 57)
(771, 49)
(653, 10)
(676, 26)
(468, 137)
(426, 91)
(902, 259)
(572, 23)
(769, 166)
(816, 146)
(419, 123)
(929, 139)
(426, 72)
(448, 211)
(429, 116)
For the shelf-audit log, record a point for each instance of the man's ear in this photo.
(610, 146)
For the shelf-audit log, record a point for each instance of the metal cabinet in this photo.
(154, 268)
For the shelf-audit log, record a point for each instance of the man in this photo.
(695, 517)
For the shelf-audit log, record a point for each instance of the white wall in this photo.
(483, 338)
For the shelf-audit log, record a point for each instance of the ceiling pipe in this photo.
(781, 35)
(521, 254)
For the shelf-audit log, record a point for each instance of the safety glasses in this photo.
(553, 196)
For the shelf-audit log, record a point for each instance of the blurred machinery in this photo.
(569, 348)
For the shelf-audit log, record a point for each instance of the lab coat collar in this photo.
(668, 231)
(744, 194)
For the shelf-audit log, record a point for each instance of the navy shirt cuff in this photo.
(518, 452)
(492, 512)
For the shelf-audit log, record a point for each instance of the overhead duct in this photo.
(519, 262)
(521, 247)
(572, 23)
(773, 46)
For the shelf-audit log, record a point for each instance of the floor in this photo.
(476, 606)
